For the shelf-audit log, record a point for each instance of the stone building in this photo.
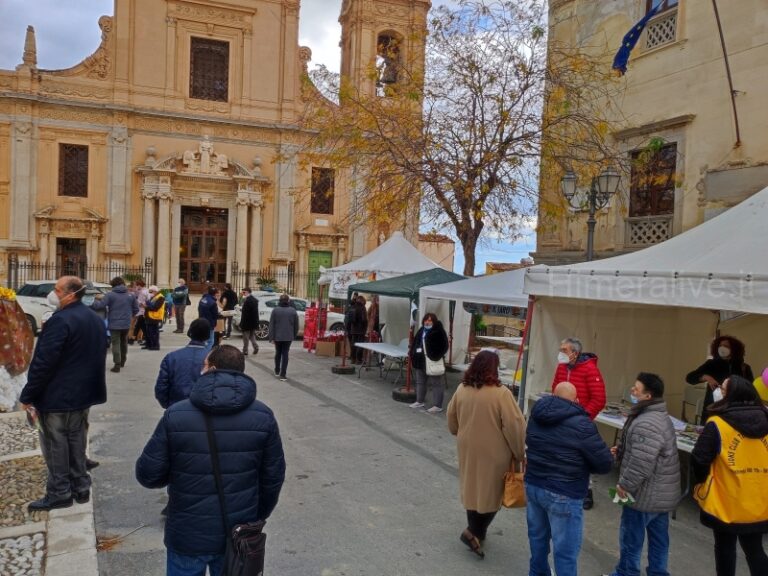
(676, 92)
(176, 143)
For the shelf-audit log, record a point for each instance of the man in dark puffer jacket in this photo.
(251, 460)
(563, 449)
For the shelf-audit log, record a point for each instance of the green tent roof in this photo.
(406, 286)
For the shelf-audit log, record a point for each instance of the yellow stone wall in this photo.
(678, 91)
(129, 102)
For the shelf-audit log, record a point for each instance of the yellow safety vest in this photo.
(158, 314)
(734, 491)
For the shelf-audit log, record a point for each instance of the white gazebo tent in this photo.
(505, 289)
(395, 257)
(657, 309)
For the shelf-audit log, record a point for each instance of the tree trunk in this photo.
(469, 245)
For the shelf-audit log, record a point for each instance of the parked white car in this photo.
(32, 297)
(268, 301)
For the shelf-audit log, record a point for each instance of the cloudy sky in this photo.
(67, 31)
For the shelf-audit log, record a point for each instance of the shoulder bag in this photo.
(244, 554)
(514, 488)
(433, 367)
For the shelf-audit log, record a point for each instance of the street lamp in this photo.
(602, 187)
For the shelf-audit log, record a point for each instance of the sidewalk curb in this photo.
(71, 542)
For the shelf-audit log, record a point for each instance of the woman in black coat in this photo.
(727, 359)
(431, 340)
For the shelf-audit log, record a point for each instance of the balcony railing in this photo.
(661, 30)
(647, 230)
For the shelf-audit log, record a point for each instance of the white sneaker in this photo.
(434, 410)
(416, 405)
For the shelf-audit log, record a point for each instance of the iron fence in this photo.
(20, 271)
(278, 279)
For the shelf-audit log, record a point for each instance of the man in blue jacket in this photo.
(178, 456)
(121, 306)
(66, 377)
(563, 449)
(208, 308)
(180, 369)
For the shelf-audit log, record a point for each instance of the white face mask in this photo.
(717, 394)
(563, 358)
(724, 352)
(53, 299)
(633, 399)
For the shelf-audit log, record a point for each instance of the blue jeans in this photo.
(634, 525)
(558, 518)
(180, 565)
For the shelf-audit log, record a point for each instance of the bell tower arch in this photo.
(382, 43)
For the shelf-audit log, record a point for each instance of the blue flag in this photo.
(630, 40)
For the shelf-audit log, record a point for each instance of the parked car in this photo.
(32, 297)
(269, 300)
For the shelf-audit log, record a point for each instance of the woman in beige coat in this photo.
(490, 430)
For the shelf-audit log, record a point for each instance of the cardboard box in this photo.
(327, 349)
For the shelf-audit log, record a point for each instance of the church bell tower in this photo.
(382, 43)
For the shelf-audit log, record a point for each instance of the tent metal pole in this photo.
(525, 345)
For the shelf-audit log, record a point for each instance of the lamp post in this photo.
(602, 187)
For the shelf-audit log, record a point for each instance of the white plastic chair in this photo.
(694, 396)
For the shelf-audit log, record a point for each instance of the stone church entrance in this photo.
(203, 247)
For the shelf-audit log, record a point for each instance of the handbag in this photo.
(433, 367)
(246, 543)
(514, 488)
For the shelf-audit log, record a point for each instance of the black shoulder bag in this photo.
(244, 555)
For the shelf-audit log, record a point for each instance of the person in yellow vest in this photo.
(153, 316)
(730, 460)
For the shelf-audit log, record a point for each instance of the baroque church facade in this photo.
(176, 145)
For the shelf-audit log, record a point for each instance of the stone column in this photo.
(23, 185)
(342, 252)
(164, 196)
(256, 233)
(285, 171)
(231, 240)
(118, 192)
(301, 289)
(175, 239)
(170, 55)
(44, 231)
(92, 245)
(148, 193)
(241, 242)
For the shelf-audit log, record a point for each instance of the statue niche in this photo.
(204, 160)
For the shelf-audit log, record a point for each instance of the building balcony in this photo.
(646, 230)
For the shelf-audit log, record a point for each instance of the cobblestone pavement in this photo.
(17, 436)
(22, 556)
(22, 481)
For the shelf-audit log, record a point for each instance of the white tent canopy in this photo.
(720, 265)
(505, 289)
(656, 310)
(394, 257)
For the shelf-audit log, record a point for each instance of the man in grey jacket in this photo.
(283, 329)
(121, 306)
(649, 471)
